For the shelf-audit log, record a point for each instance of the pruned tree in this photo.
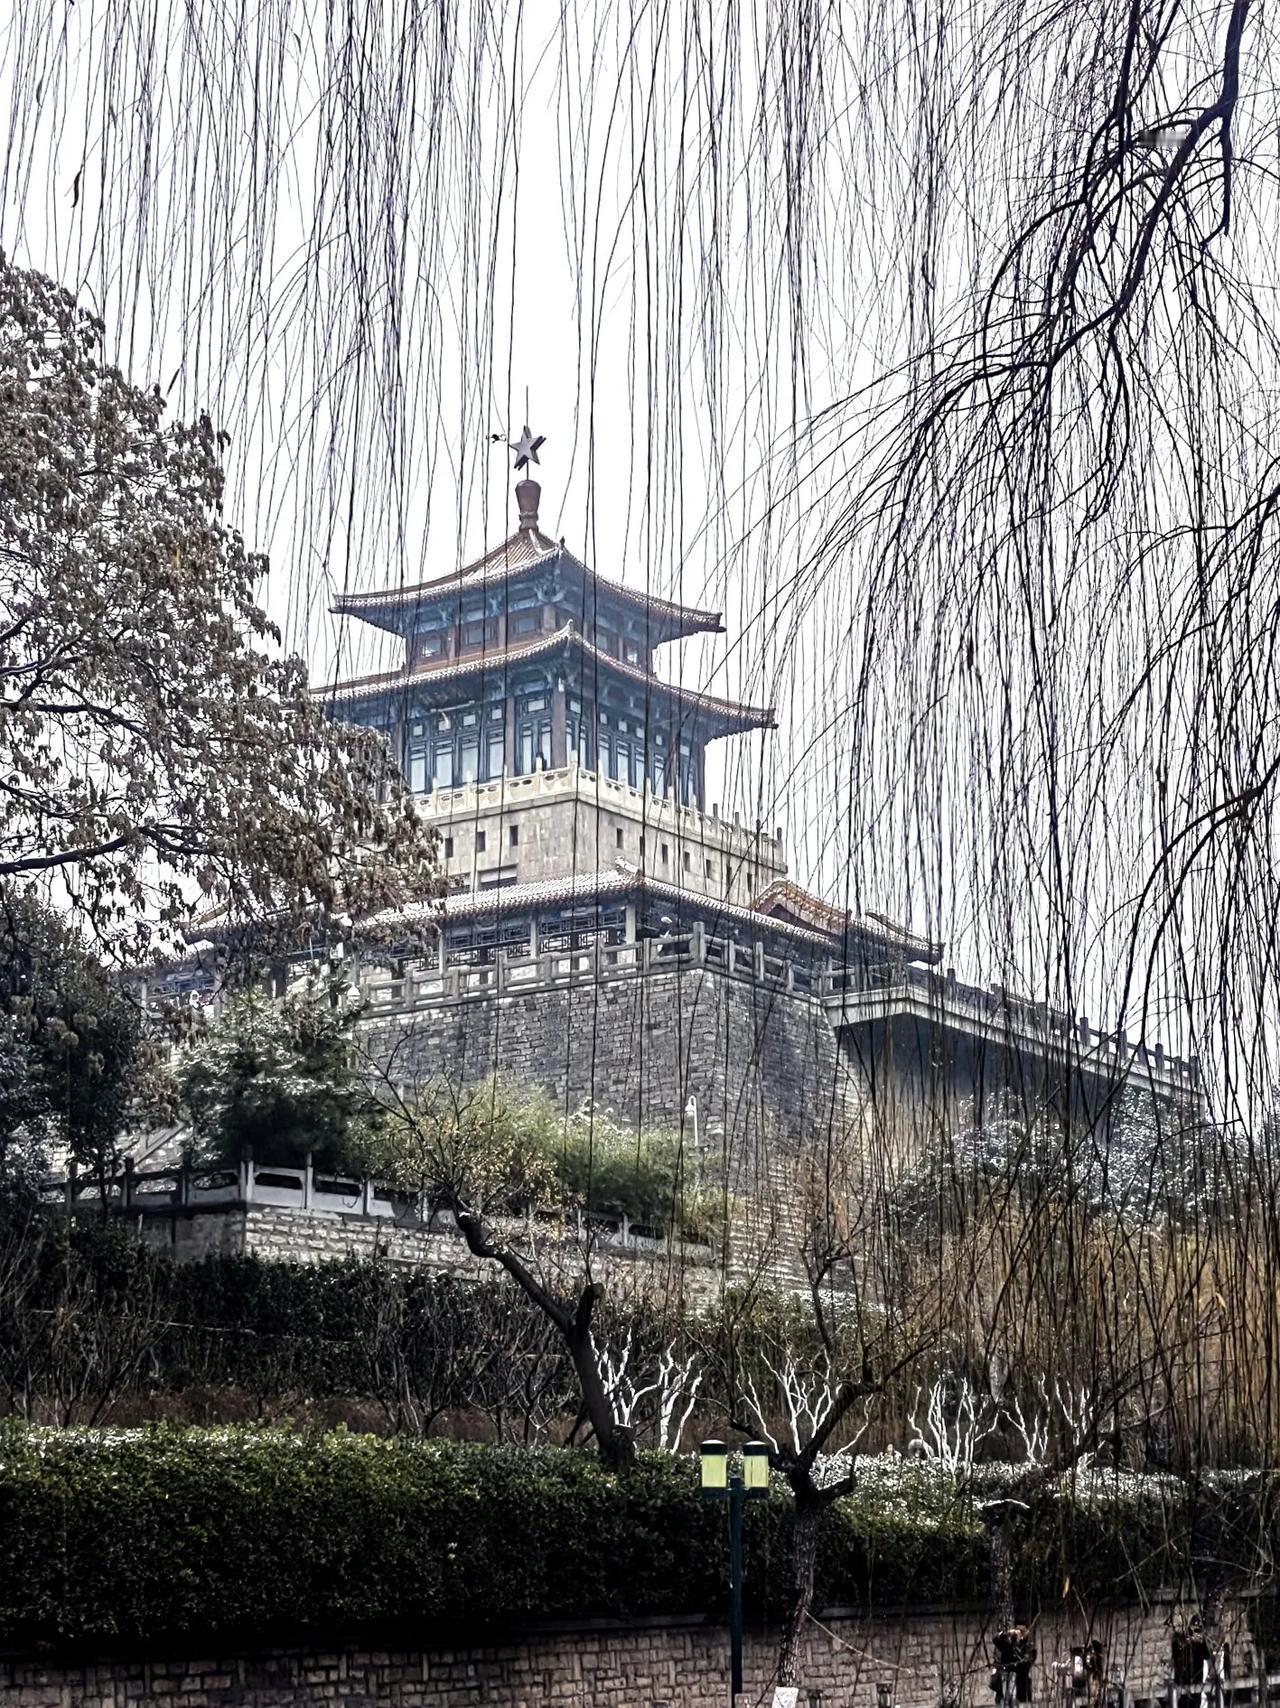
(956, 1421)
(671, 1388)
(467, 1151)
(824, 1402)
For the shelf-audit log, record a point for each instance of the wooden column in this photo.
(559, 727)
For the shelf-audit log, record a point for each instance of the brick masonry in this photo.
(677, 1666)
(761, 1060)
(757, 1053)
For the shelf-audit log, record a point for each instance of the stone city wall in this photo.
(761, 1061)
(758, 1056)
(650, 1666)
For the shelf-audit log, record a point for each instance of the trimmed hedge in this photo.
(150, 1534)
(146, 1534)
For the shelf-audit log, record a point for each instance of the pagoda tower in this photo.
(530, 720)
(610, 938)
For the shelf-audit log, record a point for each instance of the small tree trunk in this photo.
(804, 1556)
(1001, 1518)
(616, 1443)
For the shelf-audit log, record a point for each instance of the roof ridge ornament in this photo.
(528, 492)
(526, 447)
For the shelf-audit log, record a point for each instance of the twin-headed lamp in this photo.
(714, 1462)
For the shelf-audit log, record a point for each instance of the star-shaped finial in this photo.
(526, 447)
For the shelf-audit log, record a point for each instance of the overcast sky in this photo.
(692, 237)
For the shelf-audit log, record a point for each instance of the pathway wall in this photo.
(652, 1666)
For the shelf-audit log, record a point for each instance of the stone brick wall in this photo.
(675, 1666)
(762, 1062)
(280, 1234)
(760, 1059)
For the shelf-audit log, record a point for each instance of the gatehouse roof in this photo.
(785, 899)
(732, 715)
(524, 552)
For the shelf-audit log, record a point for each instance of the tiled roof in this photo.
(392, 681)
(526, 549)
(624, 878)
(836, 921)
(370, 687)
(617, 880)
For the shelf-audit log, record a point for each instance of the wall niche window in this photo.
(430, 645)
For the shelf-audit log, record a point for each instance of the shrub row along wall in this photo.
(144, 1535)
(295, 1332)
(219, 1534)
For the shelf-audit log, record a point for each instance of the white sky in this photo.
(291, 234)
(629, 470)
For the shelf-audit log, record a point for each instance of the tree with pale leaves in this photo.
(156, 749)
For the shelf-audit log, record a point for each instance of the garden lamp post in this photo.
(737, 1487)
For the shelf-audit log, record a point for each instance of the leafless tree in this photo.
(470, 1154)
(71, 1344)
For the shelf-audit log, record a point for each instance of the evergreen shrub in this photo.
(123, 1535)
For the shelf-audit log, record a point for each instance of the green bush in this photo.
(140, 1534)
(143, 1534)
(153, 1533)
(279, 1080)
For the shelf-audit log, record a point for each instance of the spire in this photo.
(528, 492)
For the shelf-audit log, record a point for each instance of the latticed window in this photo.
(429, 645)
(445, 749)
(533, 732)
(578, 735)
(580, 928)
(687, 775)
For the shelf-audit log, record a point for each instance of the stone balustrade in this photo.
(848, 994)
(855, 994)
(509, 972)
(191, 1189)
